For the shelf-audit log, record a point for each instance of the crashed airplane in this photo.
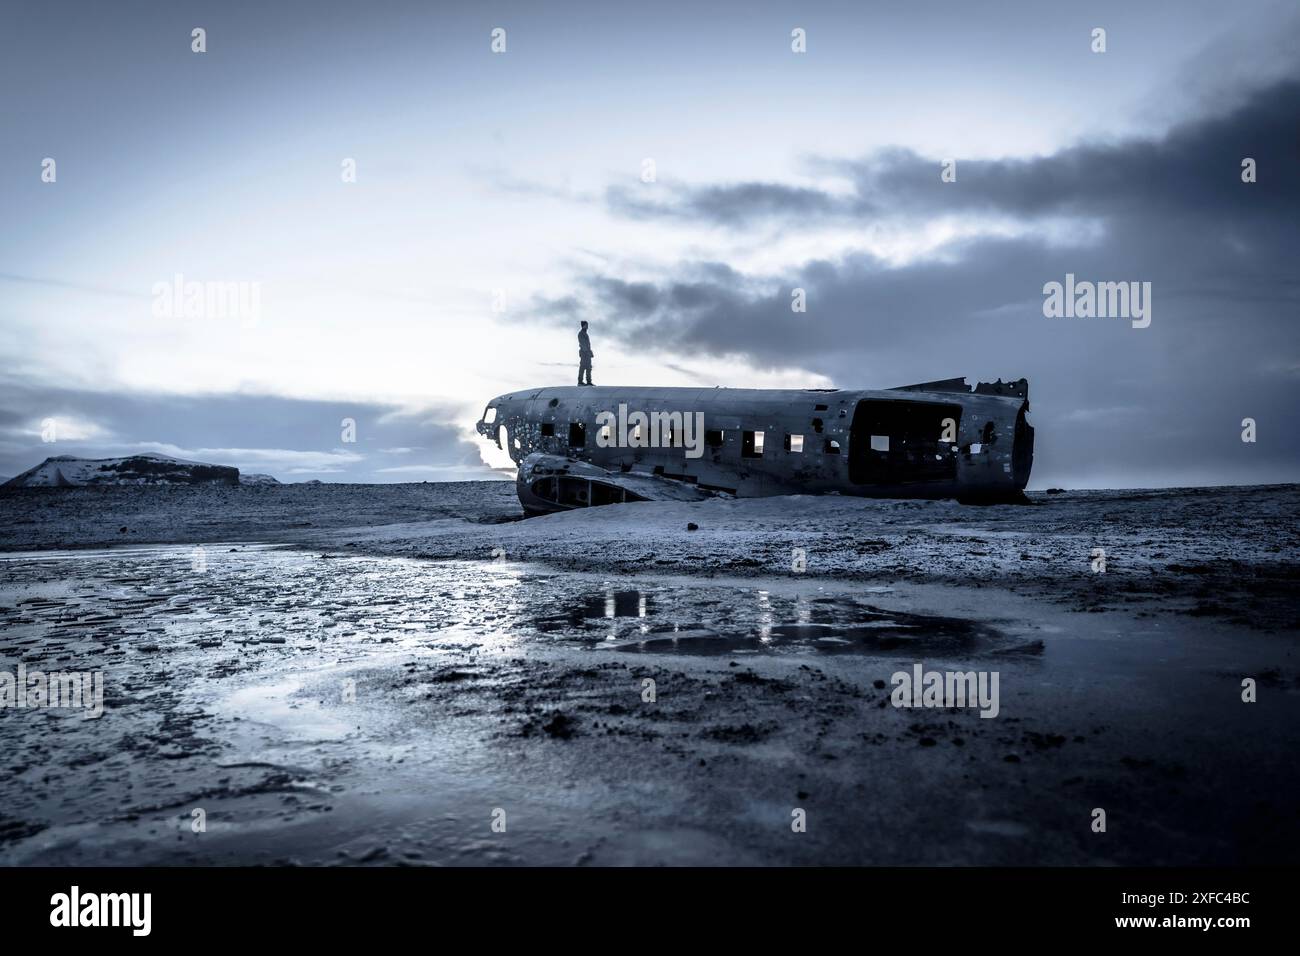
(582, 446)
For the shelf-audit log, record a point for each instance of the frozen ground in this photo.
(500, 664)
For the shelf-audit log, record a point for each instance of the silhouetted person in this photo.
(585, 355)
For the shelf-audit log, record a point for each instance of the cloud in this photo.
(96, 290)
(735, 205)
(288, 438)
(1193, 168)
(1171, 210)
(61, 426)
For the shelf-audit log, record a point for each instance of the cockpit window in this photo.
(490, 415)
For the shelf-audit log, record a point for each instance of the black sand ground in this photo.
(500, 665)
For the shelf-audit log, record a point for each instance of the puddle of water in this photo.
(830, 627)
(280, 705)
(607, 605)
(709, 621)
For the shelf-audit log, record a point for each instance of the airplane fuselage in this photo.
(578, 446)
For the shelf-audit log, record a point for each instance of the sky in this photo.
(502, 197)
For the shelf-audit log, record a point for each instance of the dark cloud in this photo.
(1120, 405)
(730, 205)
(1194, 168)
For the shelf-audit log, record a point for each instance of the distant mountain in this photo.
(68, 471)
(257, 480)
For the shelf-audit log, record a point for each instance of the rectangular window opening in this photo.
(751, 445)
(548, 430)
(901, 442)
(794, 443)
(577, 435)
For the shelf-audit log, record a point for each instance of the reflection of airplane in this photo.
(577, 447)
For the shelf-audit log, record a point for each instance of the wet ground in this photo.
(324, 706)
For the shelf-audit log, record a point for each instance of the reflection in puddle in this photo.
(609, 604)
(693, 620)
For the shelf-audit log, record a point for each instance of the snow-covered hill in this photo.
(68, 471)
